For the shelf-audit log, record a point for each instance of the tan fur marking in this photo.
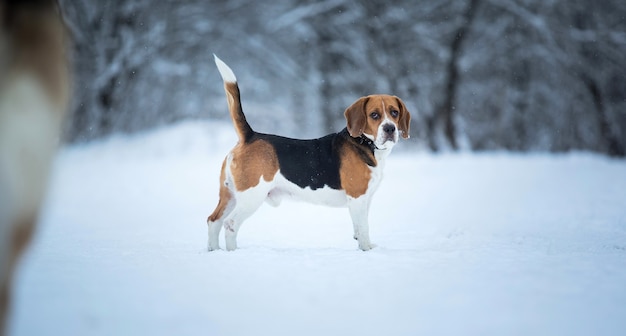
(251, 161)
(356, 117)
(236, 113)
(371, 126)
(404, 119)
(225, 197)
(353, 172)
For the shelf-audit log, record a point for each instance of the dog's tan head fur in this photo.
(381, 118)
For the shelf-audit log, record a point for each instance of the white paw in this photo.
(366, 246)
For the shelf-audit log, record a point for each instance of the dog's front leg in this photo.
(359, 211)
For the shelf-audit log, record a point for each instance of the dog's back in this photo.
(33, 99)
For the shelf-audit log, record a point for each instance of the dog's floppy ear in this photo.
(404, 120)
(356, 117)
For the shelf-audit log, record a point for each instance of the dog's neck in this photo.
(367, 142)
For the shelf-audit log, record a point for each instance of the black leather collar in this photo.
(365, 141)
(361, 140)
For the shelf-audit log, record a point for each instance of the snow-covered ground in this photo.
(468, 244)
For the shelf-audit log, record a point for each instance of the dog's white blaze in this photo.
(379, 141)
(225, 71)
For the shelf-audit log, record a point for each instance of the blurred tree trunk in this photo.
(610, 141)
(326, 68)
(445, 113)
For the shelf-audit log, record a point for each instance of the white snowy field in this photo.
(468, 244)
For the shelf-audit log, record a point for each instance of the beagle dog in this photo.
(341, 169)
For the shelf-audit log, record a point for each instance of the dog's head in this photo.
(381, 118)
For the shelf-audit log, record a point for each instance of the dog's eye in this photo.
(394, 113)
(375, 115)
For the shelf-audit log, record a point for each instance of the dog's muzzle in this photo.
(389, 133)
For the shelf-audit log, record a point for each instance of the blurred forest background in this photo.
(521, 75)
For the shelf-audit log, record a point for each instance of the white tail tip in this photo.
(227, 74)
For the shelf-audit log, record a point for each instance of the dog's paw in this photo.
(367, 247)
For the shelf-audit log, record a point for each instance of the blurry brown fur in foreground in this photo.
(34, 87)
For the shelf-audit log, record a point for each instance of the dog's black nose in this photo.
(389, 128)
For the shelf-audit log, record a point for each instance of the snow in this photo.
(468, 244)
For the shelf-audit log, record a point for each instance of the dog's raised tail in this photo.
(244, 131)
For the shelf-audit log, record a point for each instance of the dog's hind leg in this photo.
(216, 220)
(223, 209)
(246, 204)
(233, 222)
